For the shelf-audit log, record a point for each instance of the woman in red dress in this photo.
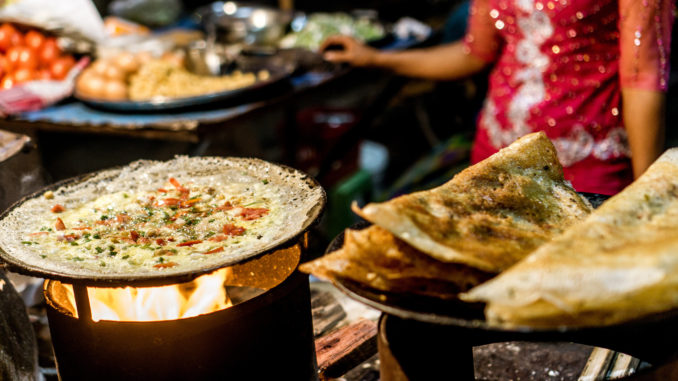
(590, 73)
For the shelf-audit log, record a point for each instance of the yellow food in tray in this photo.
(159, 78)
(141, 77)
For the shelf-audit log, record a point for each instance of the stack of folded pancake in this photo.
(513, 214)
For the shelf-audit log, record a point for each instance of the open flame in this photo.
(203, 295)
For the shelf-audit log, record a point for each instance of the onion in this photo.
(115, 90)
(114, 73)
(127, 62)
(90, 84)
(99, 67)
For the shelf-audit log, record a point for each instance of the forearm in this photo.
(444, 62)
(643, 112)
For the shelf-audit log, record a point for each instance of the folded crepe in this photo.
(490, 215)
(375, 258)
(619, 264)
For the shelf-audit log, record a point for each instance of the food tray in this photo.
(650, 338)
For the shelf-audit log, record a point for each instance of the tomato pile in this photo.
(30, 56)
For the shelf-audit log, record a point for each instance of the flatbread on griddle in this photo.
(618, 264)
(183, 230)
(490, 215)
(375, 258)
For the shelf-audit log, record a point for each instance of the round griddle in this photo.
(651, 338)
(274, 173)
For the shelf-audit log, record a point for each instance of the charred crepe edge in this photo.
(535, 147)
(432, 285)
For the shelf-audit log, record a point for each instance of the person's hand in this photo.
(352, 51)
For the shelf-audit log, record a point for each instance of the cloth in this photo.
(560, 66)
(35, 95)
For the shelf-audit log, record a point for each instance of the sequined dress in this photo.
(559, 68)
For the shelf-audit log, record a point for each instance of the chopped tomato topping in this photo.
(134, 235)
(83, 228)
(162, 190)
(177, 185)
(227, 206)
(178, 214)
(218, 238)
(230, 229)
(58, 208)
(164, 265)
(71, 237)
(217, 250)
(59, 225)
(38, 233)
(248, 214)
(160, 242)
(190, 243)
(171, 239)
(122, 218)
(170, 201)
(188, 203)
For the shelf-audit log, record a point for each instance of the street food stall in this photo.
(191, 201)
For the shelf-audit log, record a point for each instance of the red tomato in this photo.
(34, 40)
(12, 55)
(4, 64)
(28, 59)
(7, 36)
(7, 82)
(50, 51)
(22, 57)
(61, 66)
(17, 39)
(43, 74)
(23, 75)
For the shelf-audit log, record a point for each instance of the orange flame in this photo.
(203, 295)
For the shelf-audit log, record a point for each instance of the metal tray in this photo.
(278, 74)
(651, 338)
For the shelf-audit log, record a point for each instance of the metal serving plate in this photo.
(278, 74)
(430, 309)
(457, 325)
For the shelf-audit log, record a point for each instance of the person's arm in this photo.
(479, 48)
(643, 113)
(644, 44)
(444, 62)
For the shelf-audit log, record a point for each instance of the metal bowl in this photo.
(235, 22)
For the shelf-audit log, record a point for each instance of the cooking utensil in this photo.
(418, 327)
(279, 73)
(309, 204)
(247, 23)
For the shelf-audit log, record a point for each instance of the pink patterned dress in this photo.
(559, 68)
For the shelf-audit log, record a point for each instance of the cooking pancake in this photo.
(155, 219)
(375, 258)
(490, 215)
(620, 263)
